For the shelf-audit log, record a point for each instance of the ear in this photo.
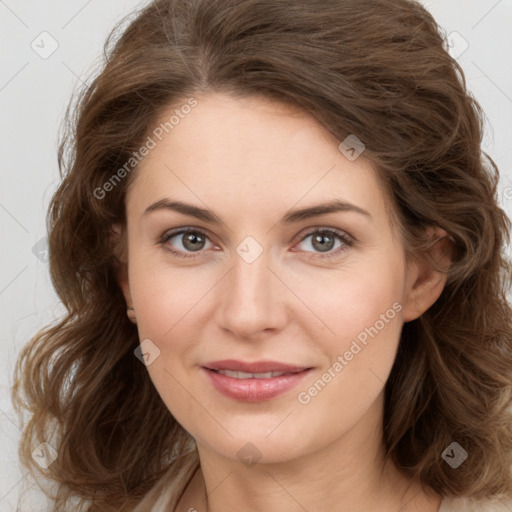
(120, 249)
(425, 282)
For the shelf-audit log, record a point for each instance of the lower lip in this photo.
(254, 390)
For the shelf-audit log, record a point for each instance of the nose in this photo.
(251, 301)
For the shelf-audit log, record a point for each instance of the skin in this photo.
(251, 161)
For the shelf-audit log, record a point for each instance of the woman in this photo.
(339, 338)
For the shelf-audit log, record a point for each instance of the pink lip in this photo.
(255, 390)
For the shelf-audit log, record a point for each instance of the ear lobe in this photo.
(427, 278)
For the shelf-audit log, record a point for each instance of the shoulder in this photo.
(465, 504)
(164, 496)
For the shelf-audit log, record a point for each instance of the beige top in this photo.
(167, 492)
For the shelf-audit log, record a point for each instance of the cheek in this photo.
(166, 300)
(343, 305)
(361, 356)
(371, 312)
(358, 327)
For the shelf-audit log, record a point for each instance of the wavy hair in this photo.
(373, 68)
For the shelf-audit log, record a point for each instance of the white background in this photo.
(34, 93)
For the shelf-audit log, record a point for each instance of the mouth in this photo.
(254, 386)
(247, 375)
(256, 367)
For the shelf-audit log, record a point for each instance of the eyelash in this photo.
(347, 241)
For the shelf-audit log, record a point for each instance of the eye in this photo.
(323, 240)
(185, 242)
(187, 239)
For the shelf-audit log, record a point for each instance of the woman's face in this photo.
(247, 280)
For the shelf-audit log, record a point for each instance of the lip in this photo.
(254, 390)
(255, 367)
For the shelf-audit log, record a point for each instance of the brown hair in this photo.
(373, 68)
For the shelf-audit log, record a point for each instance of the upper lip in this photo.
(255, 367)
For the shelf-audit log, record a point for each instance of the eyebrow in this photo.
(290, 218)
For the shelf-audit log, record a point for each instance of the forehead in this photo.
(254, 152)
